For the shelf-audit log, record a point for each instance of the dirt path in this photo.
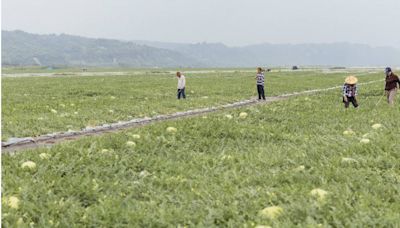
(18, 144)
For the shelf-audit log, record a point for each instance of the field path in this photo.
(18, 144)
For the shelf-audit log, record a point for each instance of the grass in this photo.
(220, 172)
(34, 106)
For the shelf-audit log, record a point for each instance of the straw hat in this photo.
(351, 80)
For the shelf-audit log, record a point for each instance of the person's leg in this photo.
(183, 93)
(354, 102)
(259, 92)
(346, 102)
(392, 96)
(262, 92)
(179, 94)
(387, 96)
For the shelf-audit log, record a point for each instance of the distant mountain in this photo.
(21, 48)
(335, 54)
(343, 54)
(209, 54)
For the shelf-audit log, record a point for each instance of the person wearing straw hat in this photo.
(391, 85)
(350, 91)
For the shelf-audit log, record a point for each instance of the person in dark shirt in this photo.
(391, 86)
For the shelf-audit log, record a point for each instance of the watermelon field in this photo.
(34, 106)
(303, 161)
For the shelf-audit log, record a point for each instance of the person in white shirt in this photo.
(181, 85)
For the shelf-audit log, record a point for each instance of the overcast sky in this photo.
(233, 22)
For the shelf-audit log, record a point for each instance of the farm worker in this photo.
(181, 85)
(391, 85)
(260, 83)
(350, 91)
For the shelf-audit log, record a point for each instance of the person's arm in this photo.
(183, 82)
(398, 81)
(356, 91)
(344, 93)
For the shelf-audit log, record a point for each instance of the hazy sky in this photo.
(233, 22)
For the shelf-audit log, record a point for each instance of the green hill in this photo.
(21, 48)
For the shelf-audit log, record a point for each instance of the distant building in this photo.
(295, 67)
(338, 68)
